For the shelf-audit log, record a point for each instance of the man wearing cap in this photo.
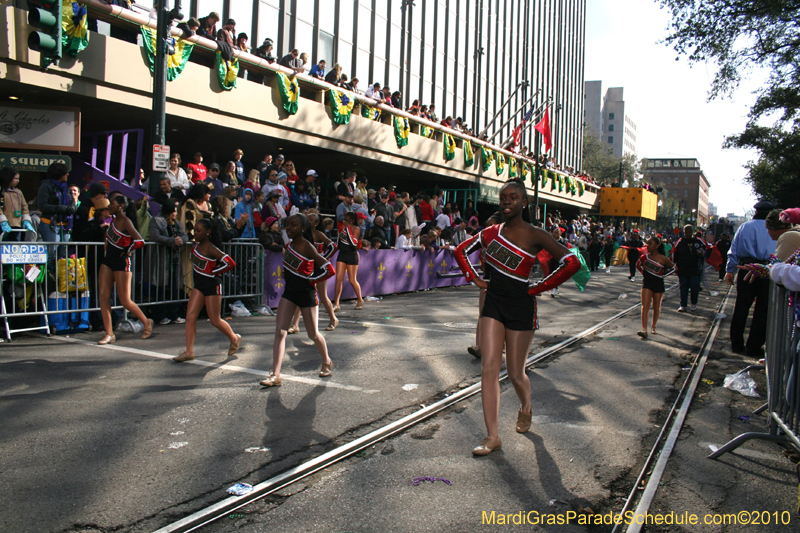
(751, 244)
(85, 212)
(311, 178)
(215, 184)
(343, 208)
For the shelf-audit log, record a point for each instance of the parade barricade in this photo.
(379, 272)
(52, 286)
(783, 385)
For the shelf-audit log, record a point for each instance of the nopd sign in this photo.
(33, 162)
(23, 254)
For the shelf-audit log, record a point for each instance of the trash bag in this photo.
(238, 309)
(741, 382)
(582, 276)
(130, 326)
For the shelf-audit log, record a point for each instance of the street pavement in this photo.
(120, 438)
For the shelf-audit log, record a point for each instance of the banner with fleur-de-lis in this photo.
(289, 89)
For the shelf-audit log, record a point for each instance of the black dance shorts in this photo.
(348, 258)
(117, 261)
(653, 283)
(517, 314)
(303, 298)
(208, 286)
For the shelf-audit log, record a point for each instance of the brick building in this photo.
(682, 180)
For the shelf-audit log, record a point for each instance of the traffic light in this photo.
(46, 16)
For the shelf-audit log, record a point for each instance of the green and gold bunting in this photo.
(227, 71)
(487, 158)
(372, 113)
(75, 36)
(341, 106)
(425, 131)
(581, 188)
(449, 145)
(500, 164)
(553, 180)
(469, 154)
(544, 177)
(401, 131)
(560, 179)
(175, 62)
(289, 89)
(512, 168)
(525, 170)
(573, 187)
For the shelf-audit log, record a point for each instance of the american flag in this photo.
(517, 133)
(528, 115)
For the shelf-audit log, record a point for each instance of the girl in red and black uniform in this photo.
(115, 269)
(347, 260)
(654, 266)
(208, 264)
(508, 316)
(326, 248)
(303, 268)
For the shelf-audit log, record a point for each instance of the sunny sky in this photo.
(667, 99)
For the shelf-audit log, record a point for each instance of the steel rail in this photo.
(675, 423)
(223, 508)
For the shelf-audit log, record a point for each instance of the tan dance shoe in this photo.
(488, 445)
(332, 325)
(148, 329)
(184, 356)
(523, 422)
(108, 339)
(234, 347)
(271, 381)
(326, 370)
(292, 330)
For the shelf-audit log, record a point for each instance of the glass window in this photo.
(380, 38)
(610, 140)
(413, 89)
(394, 78)
(204, 7)
(439, 69)
(414, 65)
(686, 180)
(345, 21)
(327, 16)
(394, 48)
(305, 10)
(427, 93)
(380, 7)
(451, 37)
(325, 49)
(303, 38)
(459, 107)
(243, 15)
(345, 57)
(379, 69)
(470, 87)
(364, 27)
(430, 29)
(611, 116)
(367, 3)
(363, 66)
(685, 193)
(268, 18)
(669, 180)
(440, 28)
(428, 71)
(610, 127)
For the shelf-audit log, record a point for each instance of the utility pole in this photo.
(165, 45)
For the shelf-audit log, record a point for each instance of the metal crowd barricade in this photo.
(63, 295)
(783, 385)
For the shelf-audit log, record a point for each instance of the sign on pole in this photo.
(160, 158)
(23, 254)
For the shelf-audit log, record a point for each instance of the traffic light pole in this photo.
(163, 47)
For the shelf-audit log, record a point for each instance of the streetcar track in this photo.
(231, 504)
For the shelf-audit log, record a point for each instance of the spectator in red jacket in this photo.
(426, 213)
(199, 170)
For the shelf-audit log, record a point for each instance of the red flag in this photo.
(543, 127)
(544, 260)
(517, 135)
(715, 260)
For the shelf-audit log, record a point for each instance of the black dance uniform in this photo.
(206, 272)
(119, 245)
(654, 274)
(509, 267)
(348, 247)
(301, 278)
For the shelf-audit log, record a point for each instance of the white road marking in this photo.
(234, 368)
(381, 324)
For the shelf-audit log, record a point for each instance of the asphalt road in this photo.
(120, 438)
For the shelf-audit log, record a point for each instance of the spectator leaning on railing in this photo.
(162, 263)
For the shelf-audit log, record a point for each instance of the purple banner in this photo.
(379, 272)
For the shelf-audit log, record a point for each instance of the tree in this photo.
(740, 36)
(601, 164)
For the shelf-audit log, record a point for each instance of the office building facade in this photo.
(682, 180)
(465, 56)
(607, 116)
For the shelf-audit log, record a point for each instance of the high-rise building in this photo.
(682, 180)
(606, 115)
